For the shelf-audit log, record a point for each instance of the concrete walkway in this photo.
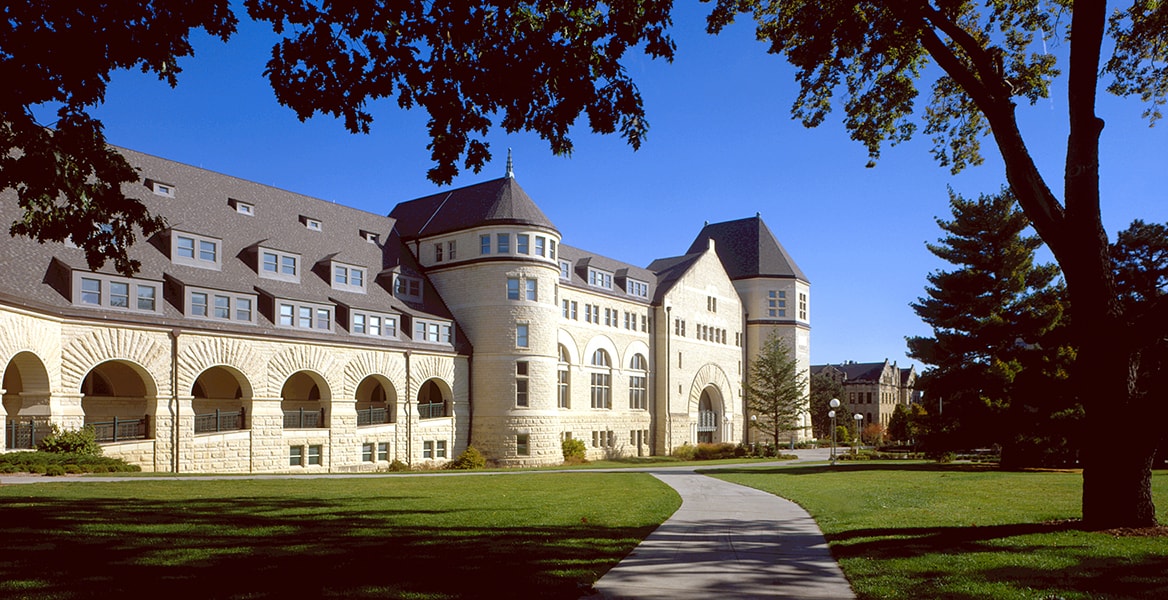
(728, 541)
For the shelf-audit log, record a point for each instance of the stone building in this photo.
(271, 332)
(873, 390)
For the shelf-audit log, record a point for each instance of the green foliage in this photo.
(398, 466)
(685, 452)
(823, 389)
(39, 462)
(574, 451)
(470, 459)
(843, 435)
(74, 441)
(777, 389)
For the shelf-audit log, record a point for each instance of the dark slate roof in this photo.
(855, 371)
(747, 248)
(33, 273)
(669, 270)
(582, 259)
(496, 202)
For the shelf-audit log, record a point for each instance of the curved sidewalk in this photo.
(728, 541)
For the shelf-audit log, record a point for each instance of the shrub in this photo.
(71, 441)
(574, 451)
(73, 469)
(714, 451)
(54, 470)
(397, 465)
(684, 452)
(470, 459)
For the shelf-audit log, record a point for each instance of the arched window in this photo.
(431, 402)
(563, 392)
(601, 380)
(638, 396)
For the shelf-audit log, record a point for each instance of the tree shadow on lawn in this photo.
(845, 467)
(268, 548)
(1088, 572)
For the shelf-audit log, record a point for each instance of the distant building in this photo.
(272, 332)
(873, 390)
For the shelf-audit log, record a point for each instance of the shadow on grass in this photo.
(289, 548)
(845, 467)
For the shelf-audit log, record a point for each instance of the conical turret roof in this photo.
(496, 202)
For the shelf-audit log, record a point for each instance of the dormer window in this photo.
(348, 278)
(195, 250)
(310, 223)
(275, 264)
(369, 236)
(636, 288)
(407, 288)
(99, 290)
(160, 188)
(600, 279)
(241, 207)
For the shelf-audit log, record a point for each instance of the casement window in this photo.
(98, 290)
(276, 264)
(348, 278)
(195, 250)
(303, 315)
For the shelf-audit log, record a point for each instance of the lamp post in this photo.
(859, 417)
(834, 404)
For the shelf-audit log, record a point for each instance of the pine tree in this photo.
(989, 316)
(778, 389)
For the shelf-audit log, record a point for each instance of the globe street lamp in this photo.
(834, 404)
(859, 417)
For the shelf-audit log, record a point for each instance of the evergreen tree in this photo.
(823, 389)
(777, 389)
(989, 316)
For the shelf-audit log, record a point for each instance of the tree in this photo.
(777, 389)
(906, 423)
(985, 315)
(823, 389)
(471, 66)
(874, 53)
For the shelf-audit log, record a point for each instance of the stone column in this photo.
(343, 441)
(268, 453)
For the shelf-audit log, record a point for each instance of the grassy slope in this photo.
(964, 532)
(533, 535)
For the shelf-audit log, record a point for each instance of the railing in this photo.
(707, 420)
(432, 410)
(23, 435)
(303, 419)
(373, 416)
(219, 421)
(119, 430)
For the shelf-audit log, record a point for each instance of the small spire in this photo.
(510, 167)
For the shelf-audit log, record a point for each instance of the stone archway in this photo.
(25, 412)
(304, 398)
(118, 399)
(376, 401)
(710, 411)
(434, 398)
(221, 400)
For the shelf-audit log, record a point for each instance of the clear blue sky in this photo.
(721, 146)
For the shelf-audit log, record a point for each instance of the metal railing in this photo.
(373, 416)
(303, 419)
(432, 410)
(119, 430)
(24, 434)
(219, 421)
(707, 420)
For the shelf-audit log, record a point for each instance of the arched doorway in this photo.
(376, 401)
(707, 416)
(26, 401)
(304, 399)
(221, 400)
(433, 400)
(117, 398)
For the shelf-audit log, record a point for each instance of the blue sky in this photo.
(721, 146)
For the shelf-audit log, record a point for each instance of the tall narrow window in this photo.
(521, 243)
(539, 245)
(503, 243)
(521, 383)
(484, 244)
(512, 288)
(530, 285)
(521, 335)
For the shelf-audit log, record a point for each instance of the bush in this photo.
(684, 452)
(470, 459)
(54, 470)
(397, 465)
(72, 441)
(574, 451)
(714, 451)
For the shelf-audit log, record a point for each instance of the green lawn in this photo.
(964, 532)
(516, 535)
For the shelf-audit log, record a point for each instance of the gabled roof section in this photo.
(581, 260)
(747, 248)
(496, 202)
(855, 372)
(669, 270)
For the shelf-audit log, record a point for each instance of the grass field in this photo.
(964, 532)
(548, 535)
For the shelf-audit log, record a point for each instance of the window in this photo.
(609, 317)
(146, 298)
(776, 303)
(428, 449)
(241, 207)
(638, 394)
(636, 288)
(540, 241)
(195, 250)
(119, 296)
(314, 455)
(521, 243)
(644, 323)
(552, 249)
(429, 331)
(601, 387)
(802, 307)
(407, 288)
(369, 236)
(530, 285)
(711, 304)
(348, 278)
(275, 264)
(161, 189)
(521, 445)
(503, 243)
(310, 223)
(521, 383)
(90, 291)
(440, 449)
(438, 252)
(383, 451)
(565, 269)
(225, 306)
(562, 395)
(451, 250)
(601, 279)
(512, 288)
(679, 327)
(367, 452)
(222, 307)
(373, 324)
(521, 335)
(296, 456)
(292, 313)
(484, 244)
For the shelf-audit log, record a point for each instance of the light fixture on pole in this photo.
(834, 404)
(859, 417)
